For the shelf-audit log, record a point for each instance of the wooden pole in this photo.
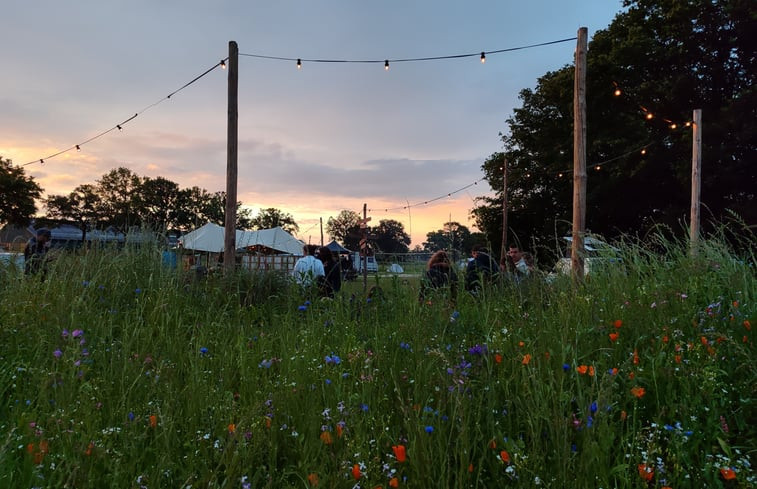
(364, 250)
(579, 157)
(696, 180)
(321, 230)
(229, 242)
(503, 249)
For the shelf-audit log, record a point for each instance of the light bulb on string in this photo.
(78, 148)
(483, 57)
(41, 162)
(596, 167)
(559, 175)
(649, 116)
(118, 126)
(617, 92)
(386, 64)
(674, 126)
(299, 63)
(644, 151)
(688, 123)
(223, 64)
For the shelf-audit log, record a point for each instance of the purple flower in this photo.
(57, 353)
(77, 332)
(477, 350)
(65, 333)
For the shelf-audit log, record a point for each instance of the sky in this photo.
(313, 141)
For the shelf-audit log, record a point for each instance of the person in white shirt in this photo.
(308, 268)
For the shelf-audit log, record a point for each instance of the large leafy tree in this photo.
(453, 237)
(118, 191)
(345, 228)
(18, 193)
(390, 237)
(158, 202)
(668, 57)
(82, 206)
(272, 217)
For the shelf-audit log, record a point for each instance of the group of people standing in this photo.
(481, 269)
(318, 267)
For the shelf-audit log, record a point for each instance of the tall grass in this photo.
(118, 372)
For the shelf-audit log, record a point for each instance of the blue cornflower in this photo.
(85, 283)
(302, 308)
(593, 407)
(130, 416)
(265, 363)
(203, 350)
(429, 429)
(589, 421)
(328, 381)
(307, 303)
(565, 367)
(364, 407)
(404, 346)
(137, 290)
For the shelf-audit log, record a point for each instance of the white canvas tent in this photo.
(210, 238)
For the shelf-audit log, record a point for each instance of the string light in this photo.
(649, 116)
(299, 64)
(223, 64)
(386, 64)
(673, 126)
(644, 151)
(617, 92)
(597, 167)
(483, 57)
(78, 146)
(426, 202)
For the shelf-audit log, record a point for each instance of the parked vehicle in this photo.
(357, 263)
(598, 254)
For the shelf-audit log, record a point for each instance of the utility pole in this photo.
(321, 230)
(503, 249)
(579, 157)
(230, 221)
(696, 181)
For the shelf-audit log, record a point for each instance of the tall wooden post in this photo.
(321, 219)
(503, 249)
(364, 247)
(696, 181)
(579, 157)
(230, 221)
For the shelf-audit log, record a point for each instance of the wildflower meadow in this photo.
(119, 372)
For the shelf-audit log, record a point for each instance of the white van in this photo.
(598, 254)
(357, 263)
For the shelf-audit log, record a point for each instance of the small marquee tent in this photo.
(210, 238)
(337, 248)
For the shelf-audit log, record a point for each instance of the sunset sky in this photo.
(313, 141)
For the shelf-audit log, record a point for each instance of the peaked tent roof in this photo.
(210, 237)
(334, 246)
(274, 238)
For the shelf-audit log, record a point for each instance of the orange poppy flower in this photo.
(470, 468)
(521, 344)
(232, 428)
(618, 323)
(326, 437)
(356, 474)
(581, 369)
(613, 337)
(526, 359)
(591, 371)
(394, 482)
(504, 456)
(728, 474)
(638, 391)
(339, 431)
(665, 339)
(635, 357)
(646, 472)
(614, 370)
(678, 358)
(623, 415)
(267, 422)
(747, 325)
(313, 479)
(703, 340)
(399, 452)
(89, 449)
(493, 444)
(497, 358)
(631, 376)
(153, 421)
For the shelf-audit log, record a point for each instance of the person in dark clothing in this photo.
(35, 253)
(482, 270)
(332, 280)
(440, 276)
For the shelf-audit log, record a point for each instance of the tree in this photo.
(158, 203)
(17, 194)
(272, 217)
(453, 237)
(668, 57)
(82, 206)
(390, 237)
(117, 189)
(345, 228)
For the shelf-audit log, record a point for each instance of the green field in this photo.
(117, 372)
